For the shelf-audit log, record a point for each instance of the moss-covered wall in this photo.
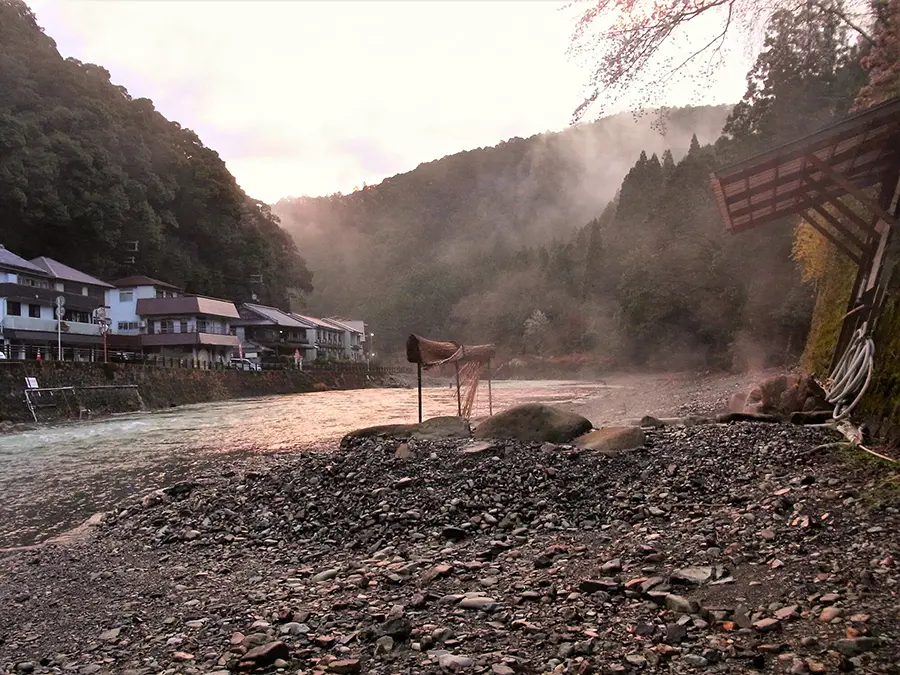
(835, 286)
(880, 409)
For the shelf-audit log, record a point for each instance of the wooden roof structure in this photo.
(811, 176)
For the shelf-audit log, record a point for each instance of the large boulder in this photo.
(534, 422)
(781, 397)
(437, 428)
(431, 429)
(611, 440)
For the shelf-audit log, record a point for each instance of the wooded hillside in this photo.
(414, 251)
(85, 169)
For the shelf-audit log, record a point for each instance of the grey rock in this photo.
(534, 422)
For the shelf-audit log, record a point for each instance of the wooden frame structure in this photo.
(810, 178)
(427, 353)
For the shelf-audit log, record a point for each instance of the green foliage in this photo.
(84, 168)
(833, 295)
(431, 250)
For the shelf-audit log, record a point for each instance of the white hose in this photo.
(852, 375)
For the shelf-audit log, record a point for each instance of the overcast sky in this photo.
(302, 97)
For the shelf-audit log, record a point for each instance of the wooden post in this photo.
(490, 395)
(458, 398)
(420, 391)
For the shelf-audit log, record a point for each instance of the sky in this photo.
(301, 97)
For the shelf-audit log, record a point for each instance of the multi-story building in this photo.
(329, 342)
(29, 328)
(351, 339)
(263, 328)
(190, 327)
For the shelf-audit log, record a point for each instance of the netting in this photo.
(468, 362)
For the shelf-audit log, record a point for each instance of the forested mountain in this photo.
(85, 169)
(412, 251)
(539, 245)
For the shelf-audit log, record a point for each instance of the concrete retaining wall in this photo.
(104, 388)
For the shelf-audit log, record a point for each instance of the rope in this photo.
(852, 375)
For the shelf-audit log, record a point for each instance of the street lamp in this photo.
(372, 345)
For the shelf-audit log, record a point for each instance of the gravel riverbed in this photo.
(714, 549)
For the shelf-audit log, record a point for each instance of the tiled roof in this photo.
(10, 259)
(277, 316)
(141, 280)
(187, 304)
(58, 270)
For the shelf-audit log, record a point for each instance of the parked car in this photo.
(243, 364)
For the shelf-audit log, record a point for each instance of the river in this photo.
(55, 477)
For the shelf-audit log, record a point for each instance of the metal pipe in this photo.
(420, 391)
(490, 395)
(458, 397)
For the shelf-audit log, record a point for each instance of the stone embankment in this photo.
(104, 388)
(717, 548)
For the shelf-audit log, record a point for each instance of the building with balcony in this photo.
(190, 327)
(122, 298)
(351, 339)
(29, 328)
(329, 344)
(275, 331)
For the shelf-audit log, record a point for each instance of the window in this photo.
(166, 326)
(34, 311)
(183, 326)
(128, 325)
(34, 283)
(14, 308)
(202, 326)
(78, 317)
(126, 295)
(131, 246)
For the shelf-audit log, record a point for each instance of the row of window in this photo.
(65, 287)
(15, 309)
(201, 326)
(34, 311)
(129, 325)
(127, 294)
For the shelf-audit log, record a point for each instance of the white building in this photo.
(351, 338)
(28, 325)
(122, 300)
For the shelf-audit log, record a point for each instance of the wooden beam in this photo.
(821, 229)
(882, 143)
(861, 196)
(875, 121)
(840, 227)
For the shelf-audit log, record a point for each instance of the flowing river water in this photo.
(55, 477)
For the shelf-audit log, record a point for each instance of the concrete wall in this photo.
(161, 387)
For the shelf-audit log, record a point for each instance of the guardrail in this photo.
(83, 358)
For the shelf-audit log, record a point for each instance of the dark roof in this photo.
(10, 259)
(271, 315)
(58, 270)
(140, 280)
(863, 148)
(186, 304)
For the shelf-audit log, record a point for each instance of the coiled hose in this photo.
(852, 375)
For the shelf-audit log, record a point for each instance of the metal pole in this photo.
(420, 392)
(59, 336)
(458, 398)
(490, 396)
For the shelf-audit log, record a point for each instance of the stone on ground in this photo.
(612, 440)
(534, 422)
(433, 429)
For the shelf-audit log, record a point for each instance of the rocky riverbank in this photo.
(719, 548)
